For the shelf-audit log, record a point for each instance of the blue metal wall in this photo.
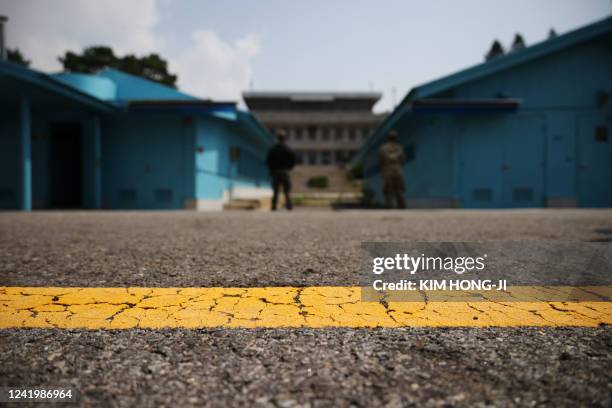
(147, 161)
(89, 141)
(216, 171)
(144, 161)
(545, 154)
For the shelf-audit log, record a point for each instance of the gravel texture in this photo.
(287, 367)
(248, 249)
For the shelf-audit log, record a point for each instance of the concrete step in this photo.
(242, 204)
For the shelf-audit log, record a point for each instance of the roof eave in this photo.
(484, 69)
(45, 81)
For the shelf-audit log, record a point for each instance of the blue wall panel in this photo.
(217, 174)
(146, 161)
(560, 180)
(594, 160)
(546, 152)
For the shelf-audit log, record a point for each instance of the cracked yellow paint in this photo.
(124, 308)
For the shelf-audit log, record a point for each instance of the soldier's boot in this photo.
(388, 200)
(401, 201)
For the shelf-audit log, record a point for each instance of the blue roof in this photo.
(484, 69)
(110, 89)
(512, 59)
(256, 127)
(131, 88)
(51, 84)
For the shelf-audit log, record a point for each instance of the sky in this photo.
(221, 48)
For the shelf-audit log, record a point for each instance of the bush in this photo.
(367, 196)
(356, 172)
(318, 182)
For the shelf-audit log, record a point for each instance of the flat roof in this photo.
(311, 96)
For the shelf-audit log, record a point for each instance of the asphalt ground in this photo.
(248, 249)
(287, 367)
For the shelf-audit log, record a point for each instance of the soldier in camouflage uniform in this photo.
(391, 159)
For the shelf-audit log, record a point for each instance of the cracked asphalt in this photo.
(314, 306)
(428, 366)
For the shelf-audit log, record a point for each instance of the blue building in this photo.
(527, 129)
(112, 140)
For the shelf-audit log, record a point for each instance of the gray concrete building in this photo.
(325, 129)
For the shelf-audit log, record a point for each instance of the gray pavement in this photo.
(287, 367)
(248, 248)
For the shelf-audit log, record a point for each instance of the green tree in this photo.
(93, 59)
(16, 57)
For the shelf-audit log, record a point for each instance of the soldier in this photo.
(280, 161)
(391, 159)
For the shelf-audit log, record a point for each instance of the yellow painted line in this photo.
(124, 308)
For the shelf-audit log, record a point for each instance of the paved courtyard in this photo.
(287, 367)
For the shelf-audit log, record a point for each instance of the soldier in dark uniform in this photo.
(391, 158)
(280, 161)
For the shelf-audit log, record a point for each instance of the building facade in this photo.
(325, 129)
(115, 141)
(527, 129)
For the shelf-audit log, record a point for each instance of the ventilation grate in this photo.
(163, 195)
(522, 194)
(7, 194)
(127, 195)
(482, 194)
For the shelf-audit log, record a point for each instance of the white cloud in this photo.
(208, 66)
(44, 30)
(215, 69)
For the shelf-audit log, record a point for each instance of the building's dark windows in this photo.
(352, 134)
(349, 155)
(312, 133)
(482, 194)
(522, 194)
(339, 157)
(365, 133)
(325, 134)
(326, 157)
(312, 158)
(338, 134)
(601, 134)
(410, 152)
(298, 133)
(299, 157)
